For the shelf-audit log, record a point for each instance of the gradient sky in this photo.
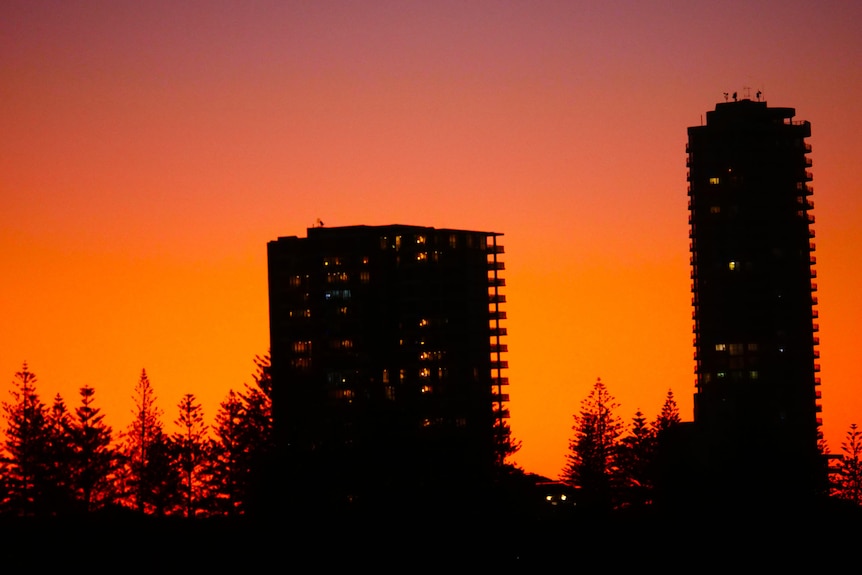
(149, 150)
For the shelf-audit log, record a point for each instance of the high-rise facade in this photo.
(752, 264)
(387, 360)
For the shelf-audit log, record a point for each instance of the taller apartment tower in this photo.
(755, 406)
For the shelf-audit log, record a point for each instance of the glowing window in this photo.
(733, 265)
(713, 181)
(720, 347)
(752, 375)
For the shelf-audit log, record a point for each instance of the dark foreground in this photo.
(405, 540)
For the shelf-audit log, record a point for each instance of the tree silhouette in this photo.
(850, 467)
(669, 415)
(190, 446)
(94, 458)
(149, 476)
(592, 461)
(27, 443)
(243, 449)
(58, 496)
(228, 473)
(636, 460)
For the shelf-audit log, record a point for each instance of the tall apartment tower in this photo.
(387, 361)
(755, 406)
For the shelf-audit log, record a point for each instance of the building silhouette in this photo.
(755, 406)
(387, 363)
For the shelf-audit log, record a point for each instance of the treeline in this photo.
(59, 461)
(614, 465)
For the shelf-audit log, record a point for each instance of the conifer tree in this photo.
(58, 497)
(669, 415)
(191, 448)
(637, 450)
(27, 446)
(94, 459)
(228, 472)
(592, 461)
(150, 478)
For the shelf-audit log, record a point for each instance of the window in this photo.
(736, 349)
(714, 181)
(733, 265)
(302, 346)
(720, 347)
(715, 209)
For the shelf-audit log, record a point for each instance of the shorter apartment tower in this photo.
(387, 362)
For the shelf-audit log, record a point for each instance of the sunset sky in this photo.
(150, 150)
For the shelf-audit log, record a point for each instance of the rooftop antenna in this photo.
(725, 96)
(759, 94)
(734, 96)
(319, 223)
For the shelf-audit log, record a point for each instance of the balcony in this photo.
(807, 148)
(496, 282)
(496, 265)
(818, 394)
(816, 368)
(501, 397)
(816, 381)
(814, 314)
(499, 348)
(495, 249)
(814, 273)
(813, 286)
(808, 162)
(808, 176)
(815, 328)
(498, 331)
(497, 298)
(499, 381)
(497, 315)
(812, 246)
(817, 408)
(499, 364)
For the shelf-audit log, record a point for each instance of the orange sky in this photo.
(148, 151)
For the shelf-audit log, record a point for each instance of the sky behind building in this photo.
(148, 152)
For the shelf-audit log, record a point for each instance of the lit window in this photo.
(426, 389)
(397, 242)
(302, 346)
(752, 375)
(713, 181)
(420, 239)
(390, 392)
(453, 241)
(423, 322)
(295, 281)
(721, 375)
(732, 265)
(421, 256)
(424, 373)
(720, 347)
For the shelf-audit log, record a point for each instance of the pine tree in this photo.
(669, 416)
(58, 497)
(592, 461)
(850, 467)
(27, 443)
(94, 459)
(228, 472)
(190, 444)
(150, 477)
